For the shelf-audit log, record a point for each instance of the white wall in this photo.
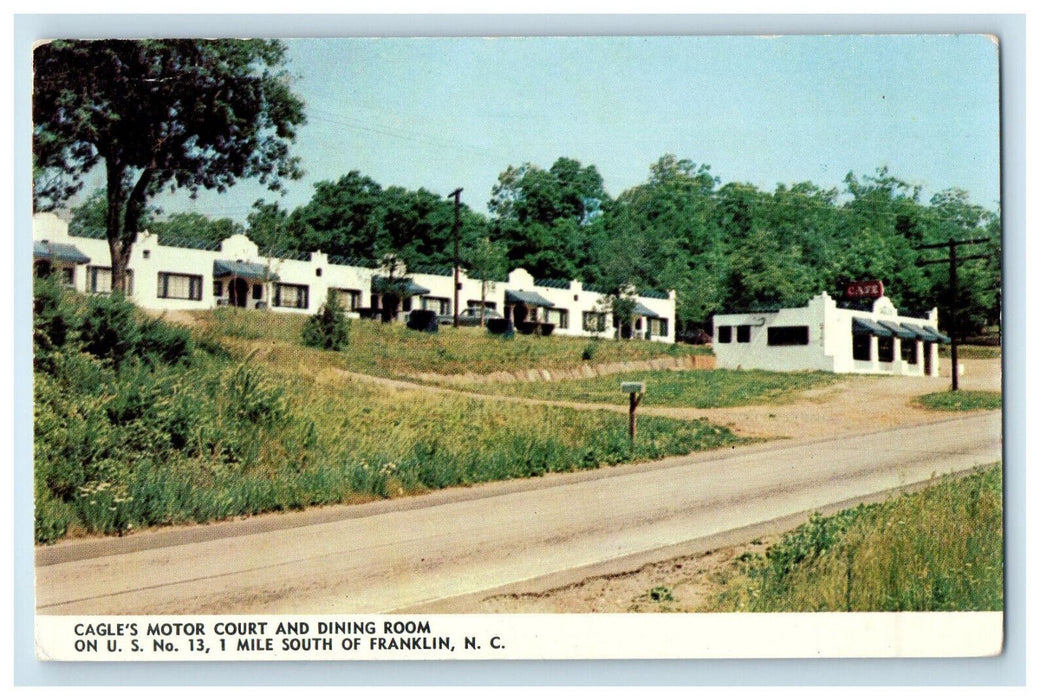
(830, 341)
(149, 258)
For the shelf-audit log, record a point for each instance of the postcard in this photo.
(589, 347)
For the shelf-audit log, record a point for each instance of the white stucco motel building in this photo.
(189, 275)
(823, 336)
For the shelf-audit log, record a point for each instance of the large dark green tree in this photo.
(190, 114)
(544, 216)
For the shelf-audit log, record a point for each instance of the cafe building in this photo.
(872, 337)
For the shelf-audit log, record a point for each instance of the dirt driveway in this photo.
(857, 404)
(853, 405)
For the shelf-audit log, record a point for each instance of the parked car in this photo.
(468, 317)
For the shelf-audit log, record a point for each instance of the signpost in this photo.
(635, 391)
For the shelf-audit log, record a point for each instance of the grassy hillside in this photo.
(140, 423)
(940, 549)
(394, 350)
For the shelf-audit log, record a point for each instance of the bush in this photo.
(162, 343)
(328, 329)
(109, 329)
(54, 320)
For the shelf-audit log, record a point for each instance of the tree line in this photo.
(205, 114)
(721, 247)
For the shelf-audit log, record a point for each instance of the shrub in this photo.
(328, 329)
(54, 320)
(109, 329)
(163, 343)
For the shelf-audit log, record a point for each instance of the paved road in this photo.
(419, 553)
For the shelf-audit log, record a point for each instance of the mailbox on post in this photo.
(635, 391)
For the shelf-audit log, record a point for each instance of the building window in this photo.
(257, 291)
(788, 335)
(594, 321)
(349, 298)
(909, 350)
(744, 334)
(723, 334)
(660, 327)
(861, 347)
(100, 280)
(886, 349)
(439, 305)
(291, 296)
(170, 285)
(217, 288)
(557, 317)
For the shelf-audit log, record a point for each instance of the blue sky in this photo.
(455, 112)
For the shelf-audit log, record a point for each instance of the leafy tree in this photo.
(487, 262)
(159, 113)
(89, 217)
(193, 225)
(544, 216)
(662, 234)
(267, 225)
(343, 217)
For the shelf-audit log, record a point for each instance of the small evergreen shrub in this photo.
(328, 329)
(109, 328)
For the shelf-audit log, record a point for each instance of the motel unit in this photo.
(190, 275)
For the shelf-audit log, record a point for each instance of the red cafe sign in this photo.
(870, 289)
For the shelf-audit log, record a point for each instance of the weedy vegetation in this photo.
(939, 549)
(140, 423)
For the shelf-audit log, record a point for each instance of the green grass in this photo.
(272, 425)
(961, 400)
(392, 350)
(972, 352)
(940, 549)
(691, 389)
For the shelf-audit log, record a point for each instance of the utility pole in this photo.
(953, 260)
(457, 194)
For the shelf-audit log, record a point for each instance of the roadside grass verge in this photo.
(684, 389)
(962, 400)
(175, 428)
(393, 350)
(972, 352)
(939, 549)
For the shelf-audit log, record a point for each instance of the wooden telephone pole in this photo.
(953, 260)
(457, 194)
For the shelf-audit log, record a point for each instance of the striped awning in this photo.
(58, 252)
(866, 326)
(923, 333)
(243, 270)
(896, 329)
(529, 298)
(942, 338)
